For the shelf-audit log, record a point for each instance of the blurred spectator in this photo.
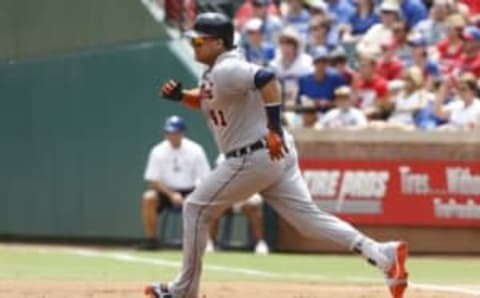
(464, 113)
(181, 13)
(395, 88)
(256, 49)
(321, 34)
(473, 6)
(371, 90)
(321, 84)
(370, 43)
(389, 66)
(359, 23)
(290, 63)
(339, 61)
(470, 59)
(263, 9)
(450, 48)
(412, 99)
(317, 8)
(309, 114)
(344, 115)
(341, 10)
(413, 11)
(434, 28)
(425, 119)
(400, 34)
(297, 16)
(430, 68)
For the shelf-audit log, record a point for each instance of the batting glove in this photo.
(276, 145)
(172, 90)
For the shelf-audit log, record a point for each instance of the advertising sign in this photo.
(416, 193)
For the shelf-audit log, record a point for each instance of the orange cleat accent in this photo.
(398, 275)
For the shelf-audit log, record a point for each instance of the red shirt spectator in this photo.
(473, 6)
(470, 64)
(370, 90)
(450, 49)
(389, 67)
(245, 11)
(470, 59)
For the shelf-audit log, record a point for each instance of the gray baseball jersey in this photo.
(231, 102)
(237, 118)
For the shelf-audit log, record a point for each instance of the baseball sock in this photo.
(370, 250)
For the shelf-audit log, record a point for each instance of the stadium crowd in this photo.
(400, 64)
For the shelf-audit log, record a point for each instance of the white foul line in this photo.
(125, 257)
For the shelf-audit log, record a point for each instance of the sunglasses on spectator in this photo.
(315, 27)
(199, 41)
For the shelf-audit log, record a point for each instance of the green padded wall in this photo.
(75, 133)
(33, 28)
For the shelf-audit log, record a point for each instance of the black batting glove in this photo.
(172, 90)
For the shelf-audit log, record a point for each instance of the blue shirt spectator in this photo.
(321, 84)
(432, 68)
(256, 49)
(299, 21)
(321, 89)
(341, 10)
(261, 55)
(361, 24)
(425, 119)
(413, 11)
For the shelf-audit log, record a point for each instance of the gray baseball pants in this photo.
(281, 185)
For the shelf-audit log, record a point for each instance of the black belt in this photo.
(247, 149)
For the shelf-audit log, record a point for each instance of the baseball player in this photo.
(174, 167)
(241, 102)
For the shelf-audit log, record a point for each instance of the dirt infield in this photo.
(63, 289)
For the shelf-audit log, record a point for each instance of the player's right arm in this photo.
(172, 90)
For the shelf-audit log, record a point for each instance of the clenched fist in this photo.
(172, 90)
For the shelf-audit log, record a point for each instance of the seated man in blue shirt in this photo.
(321, 84)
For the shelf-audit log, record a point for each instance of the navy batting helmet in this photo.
(174, 124)
(213, 24)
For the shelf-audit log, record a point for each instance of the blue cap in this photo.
(471, 33)
(320, 53)
(174, 124)
(417, 40)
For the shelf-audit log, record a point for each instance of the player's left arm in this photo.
(269, 88)
(172, 90)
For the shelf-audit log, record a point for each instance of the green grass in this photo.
(62, 264)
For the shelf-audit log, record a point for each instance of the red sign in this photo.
(416, 193)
